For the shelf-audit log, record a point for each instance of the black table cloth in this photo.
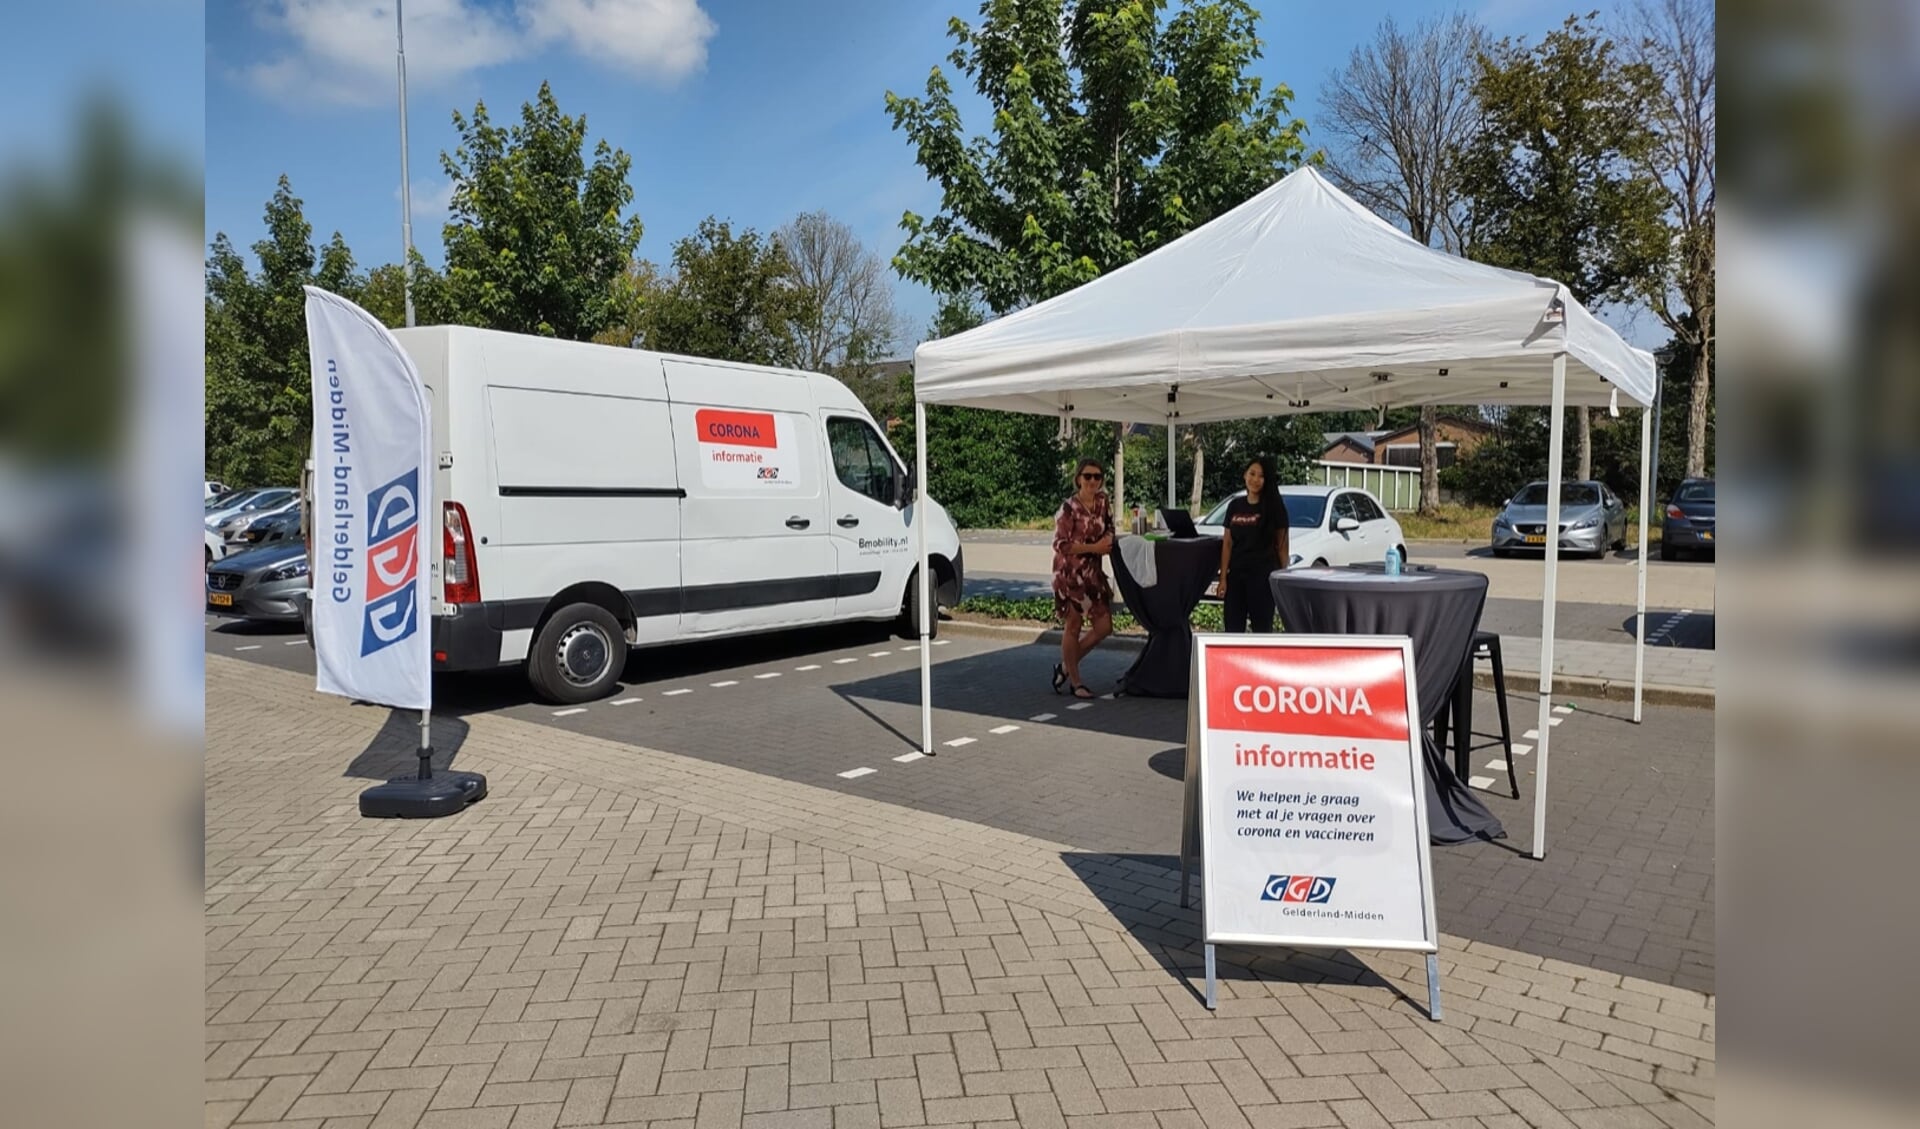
(1186, 568)
(1439, 609)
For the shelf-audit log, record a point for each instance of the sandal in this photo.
(1080, 691)
(1059, 677)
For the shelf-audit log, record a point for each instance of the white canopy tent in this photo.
(1297, 300)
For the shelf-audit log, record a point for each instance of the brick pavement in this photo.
(621, 936)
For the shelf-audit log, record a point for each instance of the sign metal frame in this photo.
(1196, 815)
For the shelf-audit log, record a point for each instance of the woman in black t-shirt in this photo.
(1255, 545)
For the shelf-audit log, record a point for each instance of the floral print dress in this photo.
(1079, 583)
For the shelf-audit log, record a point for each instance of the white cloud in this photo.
(663, 38)
(342, 51)
(432, 197)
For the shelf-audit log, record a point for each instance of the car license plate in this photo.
(1536, 538)
(220, 599)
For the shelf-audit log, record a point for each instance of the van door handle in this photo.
(798, 523)
(849, 522)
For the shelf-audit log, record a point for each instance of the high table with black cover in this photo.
(1186, 568)
(1439, 609)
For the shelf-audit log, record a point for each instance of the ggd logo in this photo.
(393, 563)
(1298, 888)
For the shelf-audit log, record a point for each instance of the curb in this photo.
(1605, 689)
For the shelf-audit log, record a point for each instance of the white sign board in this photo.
(745, 450)
(1313, 827)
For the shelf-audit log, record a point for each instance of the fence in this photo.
(1397, 487)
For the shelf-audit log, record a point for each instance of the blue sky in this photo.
(750, 111)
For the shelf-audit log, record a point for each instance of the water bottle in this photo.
(1393, 562)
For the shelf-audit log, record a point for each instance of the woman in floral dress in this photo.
(1082, 534)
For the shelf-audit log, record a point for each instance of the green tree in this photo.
(731, 297)
(1556, 177)
(258, 398)
(535, 239)
(1114, 132)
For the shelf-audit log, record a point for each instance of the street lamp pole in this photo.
(406, 189)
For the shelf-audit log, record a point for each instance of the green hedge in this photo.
(1206, 617)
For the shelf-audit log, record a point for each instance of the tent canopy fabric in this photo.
(1298, 300)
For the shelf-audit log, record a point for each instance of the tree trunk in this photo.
(1429, 461)
(1697, 414)
(1120, 514)
(1199, 471)
(1586, 444)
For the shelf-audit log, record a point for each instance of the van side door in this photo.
(756, 546)
(872, 543)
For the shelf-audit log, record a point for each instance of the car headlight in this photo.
(288, 571)
(1589, 523)
(1500, 522)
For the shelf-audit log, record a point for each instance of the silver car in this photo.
(261, 584)
(1593, 519)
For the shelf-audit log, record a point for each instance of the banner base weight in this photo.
(445, 794)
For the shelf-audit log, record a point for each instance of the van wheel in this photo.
(578, 655)
(908, 625)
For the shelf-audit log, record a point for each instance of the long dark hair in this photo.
(1269, 499)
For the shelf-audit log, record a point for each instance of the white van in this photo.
(594, 498)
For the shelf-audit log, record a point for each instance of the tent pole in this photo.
(1170, 454)
(927, 610)
(1550, 597)
(1640, 619)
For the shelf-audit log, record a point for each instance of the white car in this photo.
(1327, 525)
(246, 501)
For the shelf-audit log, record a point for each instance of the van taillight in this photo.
(459, 569)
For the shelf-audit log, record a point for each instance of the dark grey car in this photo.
(267, 584)
(1688, 525)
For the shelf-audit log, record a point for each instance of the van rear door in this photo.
(756, 550)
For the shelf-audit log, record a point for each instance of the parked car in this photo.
(234, 529)
(1327, 525)
(215, 489)
(249, 501)
(1592, 520)
(269, 529)
(265, 584)
(1688, 525)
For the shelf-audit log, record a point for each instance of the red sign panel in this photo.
(735, 429)
(1356, 694)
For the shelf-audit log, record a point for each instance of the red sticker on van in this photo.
(735, 429)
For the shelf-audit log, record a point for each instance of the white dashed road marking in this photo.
(878, 654)
(255, 647)
(676, 693)
(720, 685)
(843, 662)
(1497, 766)
(941, 642)
(1522, 750)
(961, 742)
(569, 713)
(1002, 730)
(624, 701)
(856, 773)
(1481, 782)
(809, 666)
(769, 674)
(293, 643)
(1555, 721)
(1081, 706)
(1043, 717)
(1531, 735)
(1563, 709)
(909, 758)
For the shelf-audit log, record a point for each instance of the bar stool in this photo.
(1486, 645)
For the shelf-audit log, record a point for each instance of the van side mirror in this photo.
(902, 488)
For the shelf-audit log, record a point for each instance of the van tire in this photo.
(578, 655)
(908, 625)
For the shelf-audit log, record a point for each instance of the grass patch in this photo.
(1039, 609)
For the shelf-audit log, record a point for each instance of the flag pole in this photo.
(406, 187)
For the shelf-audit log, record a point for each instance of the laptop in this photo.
(1179, 523)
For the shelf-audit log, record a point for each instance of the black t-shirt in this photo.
(1253, 529)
